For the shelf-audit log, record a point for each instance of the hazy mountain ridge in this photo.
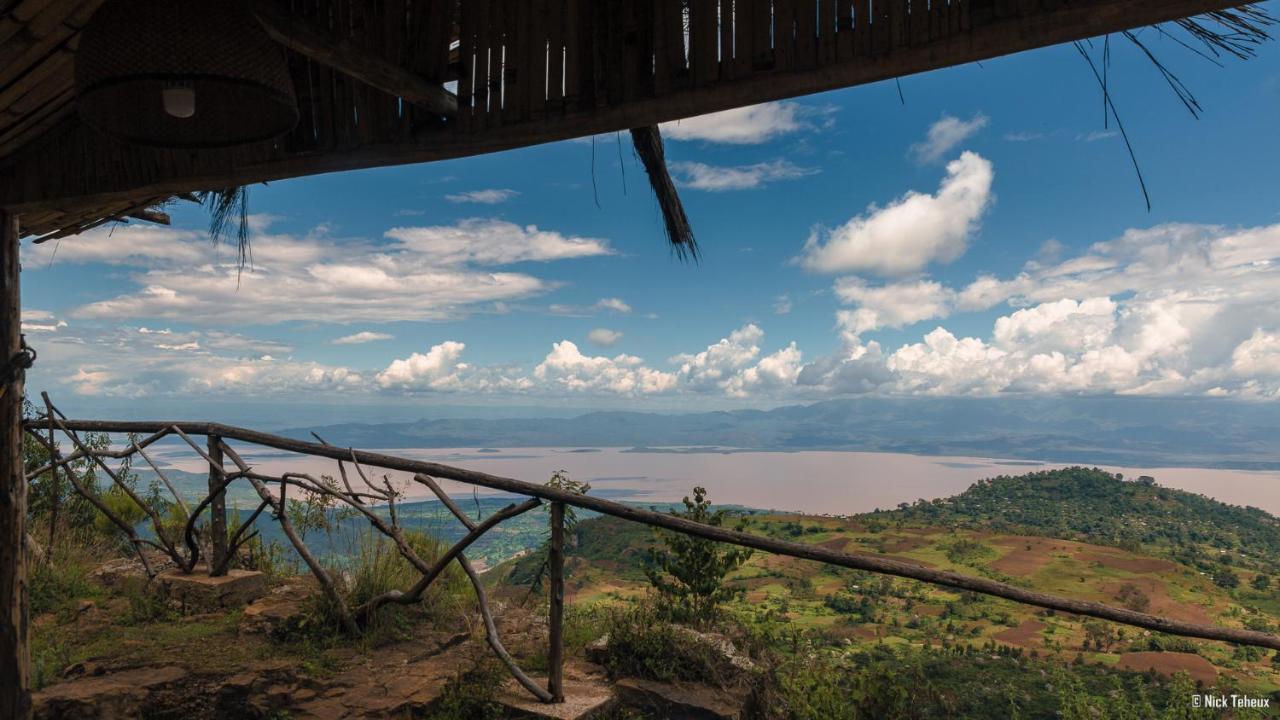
(1111, 430)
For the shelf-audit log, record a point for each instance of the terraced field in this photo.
(861, 608)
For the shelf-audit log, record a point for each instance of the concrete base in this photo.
(198, 592)
(584, 698)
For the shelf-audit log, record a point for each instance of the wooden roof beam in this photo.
(27, 186)
(316, 43)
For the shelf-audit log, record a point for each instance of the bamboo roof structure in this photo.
(388, 82)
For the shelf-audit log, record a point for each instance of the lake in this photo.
(813, 482)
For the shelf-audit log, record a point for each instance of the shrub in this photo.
(376, 567)
(1225, 578)
(967, 552)
(1132, 597)
(120, 505)
(61, 578)
(48, 660)
(469, 695)
(642, 645)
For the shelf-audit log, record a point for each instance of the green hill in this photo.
(1095, 506)
(1076, 532)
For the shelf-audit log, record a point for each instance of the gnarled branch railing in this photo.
(427, 473)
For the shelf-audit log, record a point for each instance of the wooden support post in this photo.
(217, 510)
(555, 569)
(15, 680)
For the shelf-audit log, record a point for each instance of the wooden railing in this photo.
(363, 494)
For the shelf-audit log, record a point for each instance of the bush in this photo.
(967, 552)
(642, 645)
(1225, 578)
(61, 578)
(48, 660)
(376, 567)
(469, 696)
(123, 507)
(1132, 597)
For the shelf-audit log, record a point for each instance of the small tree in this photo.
(1226, 579)
(1260, 582)
(1098, 634)
(1133, 597)
(688, 572)
(560, 481)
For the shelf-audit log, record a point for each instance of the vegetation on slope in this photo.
(1092, 505)
(832, 633)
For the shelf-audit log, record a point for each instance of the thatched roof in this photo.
(371, 76)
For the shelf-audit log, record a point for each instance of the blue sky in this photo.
(987, 236)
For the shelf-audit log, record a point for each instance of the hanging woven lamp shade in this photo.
(183, 74)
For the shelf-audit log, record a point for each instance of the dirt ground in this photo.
(1168, 663)
(1026, 635)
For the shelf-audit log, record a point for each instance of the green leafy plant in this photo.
(560, 481)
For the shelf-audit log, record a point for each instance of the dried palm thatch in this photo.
(228, 208)
(1236, 31)
(648, 145)
(1239, 33)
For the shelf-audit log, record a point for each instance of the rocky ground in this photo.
(222, 662)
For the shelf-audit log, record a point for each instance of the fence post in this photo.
(217, 510)
(15, 667)
(555, 569)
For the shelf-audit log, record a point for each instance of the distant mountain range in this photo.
(1101, 430)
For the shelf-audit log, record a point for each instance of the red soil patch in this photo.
(783, 564)
(1029, 553)
(908, 560)
(1021, 561)
(928, 610)
(1026, 635)
(1168, 663)
(906, 544)
(1129, 564)
(758, 582)
(841, 631)
(836, 543)
(1161, 603)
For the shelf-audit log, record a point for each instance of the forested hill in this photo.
(1099, 507)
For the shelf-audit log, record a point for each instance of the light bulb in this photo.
(180, 102)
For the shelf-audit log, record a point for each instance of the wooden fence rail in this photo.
(426, 474)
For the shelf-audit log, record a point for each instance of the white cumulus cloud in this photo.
(492, 196)
(946, 134)
(749, 125)
(566, 368)
(718, 178)
(494, 242)
(365, 336)
(604, 337)
(422, 273)
(893, 305)
(912, 232)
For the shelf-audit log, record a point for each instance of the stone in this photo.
(260, 692)
(722, 649)
(271, 616)
(197, 592)
(105, 697)
(682, 701)
(597, 651)
(124, 575)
